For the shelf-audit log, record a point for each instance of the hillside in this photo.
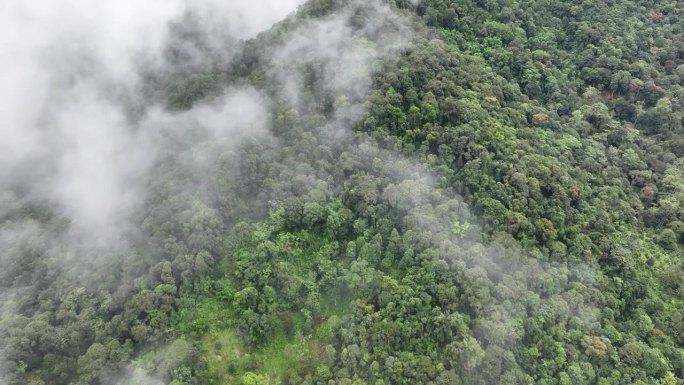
(365, 192)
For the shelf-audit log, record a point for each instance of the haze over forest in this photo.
(341, 192)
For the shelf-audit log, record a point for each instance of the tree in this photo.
(250, 378)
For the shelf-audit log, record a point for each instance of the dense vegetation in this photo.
(508, 208)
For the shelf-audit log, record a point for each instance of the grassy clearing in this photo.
(228, 361)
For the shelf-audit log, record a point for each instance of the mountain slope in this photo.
(371, 193)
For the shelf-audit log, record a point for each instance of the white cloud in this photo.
(70, 71)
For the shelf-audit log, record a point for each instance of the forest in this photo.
(379, 192)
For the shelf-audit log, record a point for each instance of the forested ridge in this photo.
(445, 192)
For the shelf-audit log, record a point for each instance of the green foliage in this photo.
(250, 378)
(357, 258)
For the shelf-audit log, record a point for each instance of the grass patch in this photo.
(228, 361)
